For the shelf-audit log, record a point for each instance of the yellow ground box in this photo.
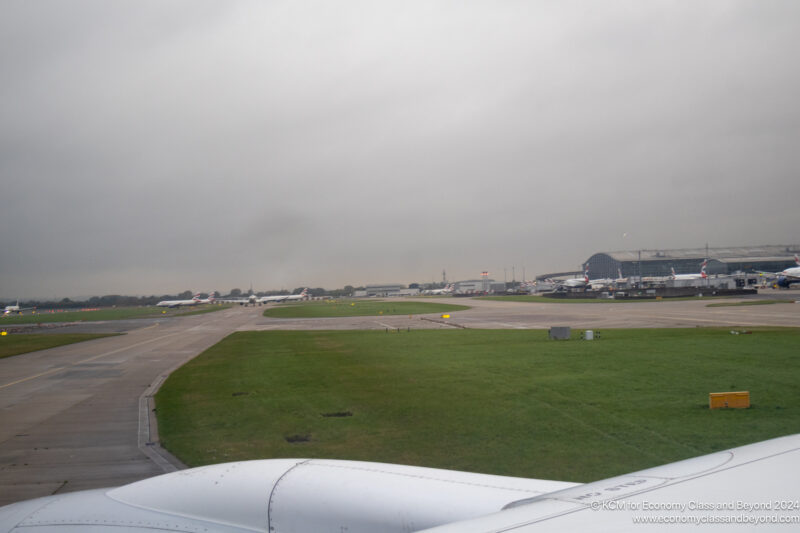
(732, 400)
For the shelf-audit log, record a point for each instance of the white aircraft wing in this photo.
(755, 487)
(279, 496)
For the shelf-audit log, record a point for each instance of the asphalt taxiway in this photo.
(79, 416)
(511, 314)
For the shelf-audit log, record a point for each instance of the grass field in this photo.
(345, 308)
(104, 313)
(495, 401)
(23, 343)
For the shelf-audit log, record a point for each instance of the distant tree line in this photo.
(118, 300)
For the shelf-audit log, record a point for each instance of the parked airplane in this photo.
(16, 309)
(574, 283)
(448, 289)
(700, 275)
(754, 486)
(599, 283)
(180, 303)
(284, 297)
(294, 297)
(210, 300)
(250, 299)
(787, 277)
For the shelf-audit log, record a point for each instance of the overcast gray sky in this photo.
(150, 147)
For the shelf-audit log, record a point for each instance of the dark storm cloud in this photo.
(159, 146)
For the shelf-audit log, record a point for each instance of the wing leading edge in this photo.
(754, 485)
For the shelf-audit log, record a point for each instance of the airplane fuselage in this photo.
(788, 277)
(687, 276)
(15, 309)
(284, 297)
(574, 283)
(176, 303)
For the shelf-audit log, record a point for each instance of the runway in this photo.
(77, 416)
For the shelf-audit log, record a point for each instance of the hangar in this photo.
(645, 263)
(479, 286)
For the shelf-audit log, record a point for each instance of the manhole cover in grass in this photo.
(337, 414)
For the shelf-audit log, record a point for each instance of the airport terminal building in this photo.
(479, 286)
(647, 263)
(385, 290)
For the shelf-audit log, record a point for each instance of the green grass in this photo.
(751, 302)
(24, 343)
(104, 313)
(346, 308)
(494, 401)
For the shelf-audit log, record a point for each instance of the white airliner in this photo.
(786, 277)
(700, 275)
(295, 297)
(448, 289)
(750, 488)
(250, 299)
(284, 297)
(210, 300)
(599, 283)
(575, 283)
(180, 303)
(16, 309)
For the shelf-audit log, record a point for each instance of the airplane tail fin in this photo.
(703, 269)
(586, 274)
(797, 259)
(673, 276)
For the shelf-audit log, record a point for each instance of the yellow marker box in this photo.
(729, 400)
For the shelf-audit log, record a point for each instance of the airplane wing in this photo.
(767, 274)
(279, 496)
(755, 485)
